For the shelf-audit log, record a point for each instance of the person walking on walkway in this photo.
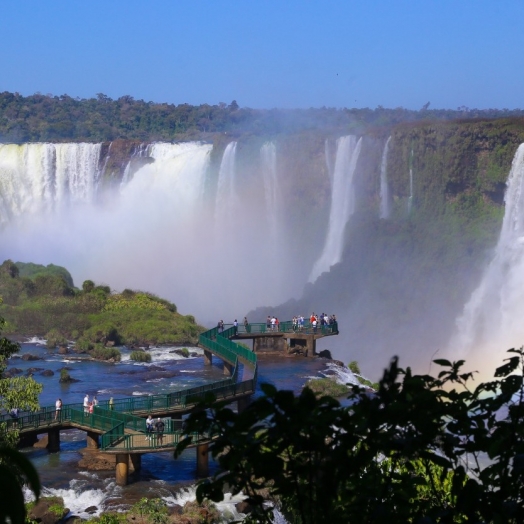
(86, 404)
(111, 404)
(235, 325)
(246, 325)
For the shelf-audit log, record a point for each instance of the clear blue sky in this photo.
(269, 53)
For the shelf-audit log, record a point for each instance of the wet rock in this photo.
(244, 507)
(91, 510)
(12, 372)
(47, 373)
(48, 510)
(63, 350)
(30, 371)
(325, 353)
(28, 356)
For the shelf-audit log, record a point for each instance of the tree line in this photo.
(63, 118)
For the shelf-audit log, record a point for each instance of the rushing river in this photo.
(161, 475)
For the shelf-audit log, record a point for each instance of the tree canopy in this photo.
(421, 449)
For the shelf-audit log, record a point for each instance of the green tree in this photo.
(420, 449)
(15, 468)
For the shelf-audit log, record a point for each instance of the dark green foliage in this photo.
(31, 270)
(420, 449)
(48, 306)
(64, 376)
(63, 118)
(54, 338)
(102, 353)
(326, 386)
(140, 356)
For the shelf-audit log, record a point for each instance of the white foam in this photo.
(343, 375)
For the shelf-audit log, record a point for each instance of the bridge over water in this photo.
(119, 430)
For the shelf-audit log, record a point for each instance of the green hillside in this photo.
(41, 301)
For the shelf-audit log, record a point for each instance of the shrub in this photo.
(184, 352)
(102, 353)
(54, 338)
(140, 356)
(327, 386)
(153, 511)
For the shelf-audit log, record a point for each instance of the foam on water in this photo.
(343, 375)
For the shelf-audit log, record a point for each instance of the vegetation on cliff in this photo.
(45, 304)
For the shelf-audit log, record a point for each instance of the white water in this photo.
(161, 229)
(39, 178)
(342, 204)
(492, 321)
(384, 187)
(268, 155)
(227, 202)
(410, 199)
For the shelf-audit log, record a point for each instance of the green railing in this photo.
(115, 419)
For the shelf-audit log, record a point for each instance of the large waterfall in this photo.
(492, 319)
(37, 178)
(268, 156)
(208, 239)
(342, 204)
(384, 187)
(226, 206)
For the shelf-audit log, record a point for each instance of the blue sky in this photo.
(267, 54)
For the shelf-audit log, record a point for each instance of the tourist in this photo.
(86, 403)
(91, 408)
(111, 404)
(277, 324)
(149, 428)
(268, 323)
(159, 431)
(95, 401)
(235, 326)
(273, 323)
(58, 408)
(220, 326)
(314, 324)
(246, 325)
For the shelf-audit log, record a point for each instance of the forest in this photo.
(40, 118)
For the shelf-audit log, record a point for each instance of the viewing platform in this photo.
(119, 429)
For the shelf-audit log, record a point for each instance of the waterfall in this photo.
(268, 156)
(226, 198)
(384, 188)
(492, 319)
(410, 199)
(342, 204)
(37, 178)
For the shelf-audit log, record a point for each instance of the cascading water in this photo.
(492, 319)
(268, 155)
(410, 199)
(226, 205)
(384, 187)
(36, 178)
(342, 204)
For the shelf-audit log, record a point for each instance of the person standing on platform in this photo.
(86, 404)
(111, 404)
(58, 408)
(149, 428)
(235, 325)
(160, 431)
(246, 325)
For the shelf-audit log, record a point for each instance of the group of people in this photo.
(89, 406)
(272, 323)
(315, 321)
(155, 429)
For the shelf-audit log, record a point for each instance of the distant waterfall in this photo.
(410, 199)
(384, 188)
(42, 177)
(493, 318)
(342, 204)
(268, 156)
(226, 199)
